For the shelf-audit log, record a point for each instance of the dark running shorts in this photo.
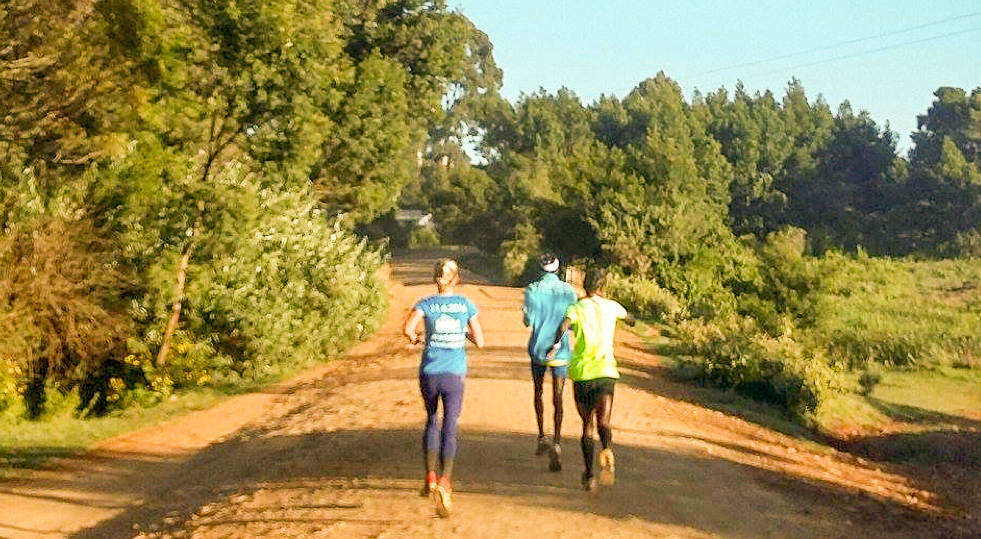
(587, 392)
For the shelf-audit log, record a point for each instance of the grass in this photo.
(902, 312)
(25, 445)
(909, 400)
(914, 324)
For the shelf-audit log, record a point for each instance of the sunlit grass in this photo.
(902, 312)
(26, 444)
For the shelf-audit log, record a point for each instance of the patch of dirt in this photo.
(336, 453)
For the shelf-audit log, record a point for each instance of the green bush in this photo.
(899, 312)
(297, 290)
(11, 376)
(777, 370)
(791, 281)
(518, 254)
(860, 348)
(273, 285)
(424, 236)
(644, 298)
(765, 313)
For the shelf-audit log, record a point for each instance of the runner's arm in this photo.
(411, 324)
(475, 333)
(563, 327)
(630, 320)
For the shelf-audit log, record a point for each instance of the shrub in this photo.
(11, 376)
(298, 289)
(59, 295)
(424, 236)
(645, 298)
(776, 370)
(765, 313)
(860, 348)
(792, 282)
(899, 312)
(518, 254)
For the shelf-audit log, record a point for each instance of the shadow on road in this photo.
(653, 485)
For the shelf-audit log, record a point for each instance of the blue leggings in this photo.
(449, 388)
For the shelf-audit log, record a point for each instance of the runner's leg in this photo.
(558, 384)
(538, 379)
(604, 408)
(584, 406)
(452, 394)
(604, 413)
(430, 399)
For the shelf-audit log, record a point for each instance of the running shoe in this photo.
(430, 486)
(588, 482)
(442, 495)
(607, 469)
(543, 446)
(555, 458)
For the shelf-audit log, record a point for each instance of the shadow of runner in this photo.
(308, 482)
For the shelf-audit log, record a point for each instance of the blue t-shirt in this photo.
(446, 318)
(544, 309)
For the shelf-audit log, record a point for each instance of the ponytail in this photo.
(445, 273)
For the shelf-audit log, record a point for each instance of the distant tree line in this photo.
(652, 181)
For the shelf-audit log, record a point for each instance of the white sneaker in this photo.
(607, 473)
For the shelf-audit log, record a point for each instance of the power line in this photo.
(871, 51)
(843, 43)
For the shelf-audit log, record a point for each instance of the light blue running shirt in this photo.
(446, 318)
(545, 303)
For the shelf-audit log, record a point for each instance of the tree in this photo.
(408, 56)
(955, 115)
(71, 87)
(945, 167)
(68, 96)
(752, 137)
(853, 187)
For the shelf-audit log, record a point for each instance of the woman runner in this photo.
(450, 320)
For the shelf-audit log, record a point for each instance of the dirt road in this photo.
(336, 454)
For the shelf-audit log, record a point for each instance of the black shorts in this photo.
(587, 392)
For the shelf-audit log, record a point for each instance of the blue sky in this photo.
(885, 57)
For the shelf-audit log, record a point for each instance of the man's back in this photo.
(545, 303)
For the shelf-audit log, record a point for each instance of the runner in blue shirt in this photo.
(545, 303)
(450, 320)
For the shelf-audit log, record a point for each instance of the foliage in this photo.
(645, 299)
(11, 377)
(61, 307)
(64, 83)
(289, 287)
(898, 312)
(423, 237)
(777, 370)
(790, 280)
(518, 254)
(943, 199)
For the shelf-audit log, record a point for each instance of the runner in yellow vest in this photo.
(593, 370)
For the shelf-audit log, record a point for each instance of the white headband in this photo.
(551, 267)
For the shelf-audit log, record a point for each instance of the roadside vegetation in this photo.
(181, 190)
(196, 198)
